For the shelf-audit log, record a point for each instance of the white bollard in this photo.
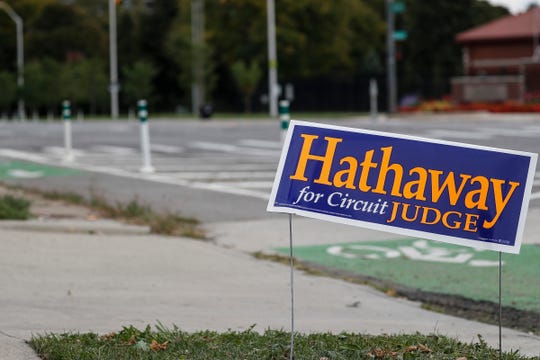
(66, 113)
(145, 138)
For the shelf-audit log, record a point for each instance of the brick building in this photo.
(501, 60)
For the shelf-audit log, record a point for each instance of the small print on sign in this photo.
(446, 191)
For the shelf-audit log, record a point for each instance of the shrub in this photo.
(14, 208)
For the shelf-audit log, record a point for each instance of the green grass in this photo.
(14, 208)
(168, 344)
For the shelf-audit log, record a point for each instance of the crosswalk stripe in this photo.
(211, 175)
(61, 151)
(249, 184)
(511, 132)
(457, 134)
(114, 150)
(166, 149)
(535, 195)
(249, 151)
(260, 143)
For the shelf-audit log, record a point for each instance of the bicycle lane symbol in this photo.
(419, 250)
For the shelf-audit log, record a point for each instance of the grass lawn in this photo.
(160, 344)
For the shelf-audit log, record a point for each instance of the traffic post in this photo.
(66, 114)
(284, 117)
(373, 97)
(145, 137)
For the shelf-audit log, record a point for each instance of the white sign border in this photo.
(398, 230)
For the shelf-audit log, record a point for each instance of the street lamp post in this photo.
(391, 58)
(272, 59)
(20, 55)
(114, 87)
(198, 57)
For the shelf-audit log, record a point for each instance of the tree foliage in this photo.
(63, 32)
(430, 55)
(138, 81)
(247, 77)
(9, 89)
(41, 87)
(66, 46)
(84, 82)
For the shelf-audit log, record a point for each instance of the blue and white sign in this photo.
(440, 190)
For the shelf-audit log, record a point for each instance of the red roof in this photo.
(510, 27)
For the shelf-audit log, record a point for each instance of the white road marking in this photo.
(166, 149)
(61, 151)
(213, 146)
(114, 150)
(234, 149)
(535, 195)
(210, 175)
(22, 155)
(260, 143)
(457, 134)
(25, 174)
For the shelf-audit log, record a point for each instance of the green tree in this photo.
(247, 78)
(137, 82)
(153, 27)
(315, 38)
(28, 10)
(64, 32)
(184, 53)
(430, 54)
(42, 88)
(85, 83)
(9, 89)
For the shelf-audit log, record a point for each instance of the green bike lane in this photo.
(436, 267)
(15, 169)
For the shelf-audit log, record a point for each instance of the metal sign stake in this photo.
(500, 305)
(291, 354)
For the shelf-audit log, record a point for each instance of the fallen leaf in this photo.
(424, 348)
(155, 346)
(379, 353)
(462, 358)
(108, 336)
(91, 217)
(132, 340)
(410, 349)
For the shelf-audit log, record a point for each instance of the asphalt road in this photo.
(217, 170)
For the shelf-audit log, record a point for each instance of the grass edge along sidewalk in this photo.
(167, 344)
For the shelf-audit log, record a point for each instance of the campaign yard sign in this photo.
(446, 191)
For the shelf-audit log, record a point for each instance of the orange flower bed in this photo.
(446, 106)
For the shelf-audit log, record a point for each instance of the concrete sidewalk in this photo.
(78, 275)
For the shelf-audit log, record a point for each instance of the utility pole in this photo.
(20, 56)
(114, 87)
(272, 59)
(391, 57)
(197, 56)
